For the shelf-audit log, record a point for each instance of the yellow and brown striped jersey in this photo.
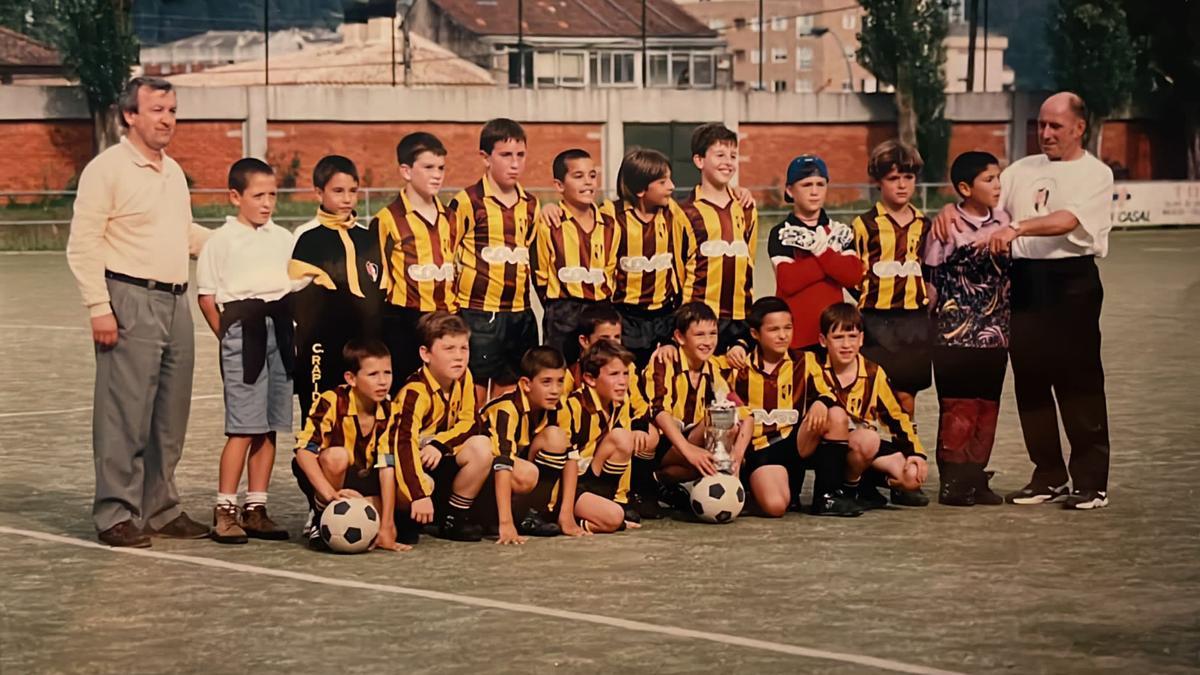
(776, 401)
(333, 422)
(715, 254)
(586, 420)
(492, 247)
(512, 423)
(572, 263)
(891, 259)
(424, 412)
(645, 263)
(420, 256)
(685, 390)
(870, 400)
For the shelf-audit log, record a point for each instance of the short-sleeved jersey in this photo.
(645, 263)
(586, 420)
(424, 412)
(512, 423)
(572, 263)
(420, 256)
(776, 401)
(715, 254)
(492, 248)
(870, 399)
(891, 260)
(669, 387)
(348, 271)
(333, 422)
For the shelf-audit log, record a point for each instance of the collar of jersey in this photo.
(489, 192)
(756, 361)
(333, 221)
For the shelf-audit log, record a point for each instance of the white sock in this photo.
(224, 499)
(256, 498)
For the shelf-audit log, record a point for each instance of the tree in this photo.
(903, 45)
(1168, 65)
(1093, 56)
(98, 48)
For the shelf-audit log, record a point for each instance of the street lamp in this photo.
(818, 31)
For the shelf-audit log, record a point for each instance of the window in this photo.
(514, 68)
(847, 85)
(682, 69)
(851, 53)
(739, 55)
(716, 24)
(804, 26)
(957, 11)
(778, 55)
(613, 69)
(753, 25)
(779, 23)
(850, 20)
(739, 24)
(779, 86)
(755, 56)
(559, 68)
(804, 58)
(804, 86)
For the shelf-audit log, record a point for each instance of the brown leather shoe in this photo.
(226, 528)
(182, 527)
(125, 534)
(259, 525)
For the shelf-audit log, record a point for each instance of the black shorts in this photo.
(560, 325)
(498, 341)
(780, 453)
(901, 342)
(366, 483)
(644, 330)
(887, 448)
(400, 336)
(590, 483)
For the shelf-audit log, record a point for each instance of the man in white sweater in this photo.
(1060, 202)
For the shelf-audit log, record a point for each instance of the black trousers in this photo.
(1055, 352)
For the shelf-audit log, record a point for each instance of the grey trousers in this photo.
(142, 401)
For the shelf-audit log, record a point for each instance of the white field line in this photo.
(579, 617)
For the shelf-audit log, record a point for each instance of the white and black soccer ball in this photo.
(350, 525)
(718, 499)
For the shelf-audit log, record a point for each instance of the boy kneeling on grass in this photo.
(338, 452)
(866, 400)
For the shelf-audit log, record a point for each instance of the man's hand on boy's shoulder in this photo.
(945, 223)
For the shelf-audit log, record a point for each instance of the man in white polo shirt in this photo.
(1060, 202)
(131, 235)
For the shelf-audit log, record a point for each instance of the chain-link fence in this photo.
(36, 220)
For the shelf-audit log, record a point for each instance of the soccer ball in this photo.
(718, 499)
(349, 525)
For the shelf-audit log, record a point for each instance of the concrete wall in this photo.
(47, 129)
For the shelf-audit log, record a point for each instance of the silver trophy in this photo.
(721, 431)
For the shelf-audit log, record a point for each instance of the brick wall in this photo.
(50, 155)
(1136, 149)
(372, 147)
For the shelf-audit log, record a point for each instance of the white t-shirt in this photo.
(242, 262)
(1034, 186)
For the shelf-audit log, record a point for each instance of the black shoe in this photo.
(631, 514)
(534, 525)
(868, 498)
(182, 527)
(1086, 500)
(955, 492)
(316, 542)
(646, 508)
(457, 528)
(915, 498)
(836, 504)
(983, 492)
(1037, 494)
(676, 496)
(124, 535)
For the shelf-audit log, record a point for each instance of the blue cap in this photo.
(802, 167)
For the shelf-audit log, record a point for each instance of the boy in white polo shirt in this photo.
(242, 277)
